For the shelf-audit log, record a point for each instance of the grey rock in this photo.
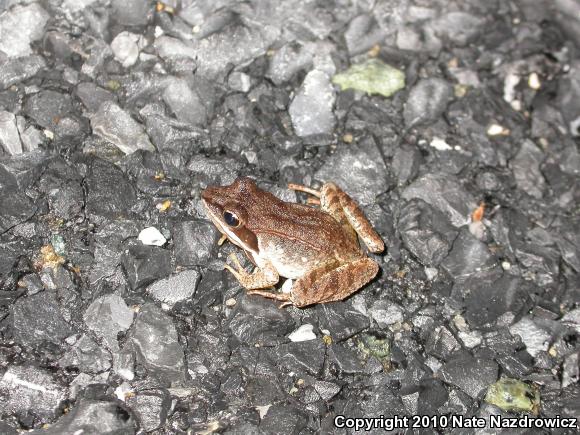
(67, 201)
(109, 194)
(48, 107)
(382, 401)
(145, 264)
(239, 81)
(15, 208)
(344, 360)
(534, 337)
(362, 34)
(170, 48)
(311, 108)
(109, 248)
(487, 300)
(31, 390)
(195, 242)
(185, 103)
(283, 419)
(405, 164)
(151, 408)
(157, 345)
(359, 170)
(92, 417)
(386, 313)
(326, 390)
(441, 343)
(176, 288)
(570, 370)
(426, 232)
(167, 132)
(31, 137)
(100, 52)
(572, 319)
(92, 96)
(235, 40)
(301, 356)
(427, 101)
(19, 26)
(295, 57)
(87, 356)
(467, 256)
(131, 12)
(445, 193)
(9, 136)
(341, 319)
(38, 318)
(263, 390)
(118, 127)
(7, 429)
(14, 71)
(258, 320)
(106, 316)
(77, 5)
(125, 48)
(471, 375)
(432, 395)
(459, 27)
(526, 168)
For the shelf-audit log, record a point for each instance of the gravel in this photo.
(454, 126)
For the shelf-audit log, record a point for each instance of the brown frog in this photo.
(318, 248)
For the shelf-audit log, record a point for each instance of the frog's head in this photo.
(229, 208)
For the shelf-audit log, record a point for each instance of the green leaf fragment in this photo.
(58, 244)
(513, 395)
(372, 77)
(379, 347)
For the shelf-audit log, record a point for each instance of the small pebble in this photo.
(152, 237)
(303, 333)
(534, 81)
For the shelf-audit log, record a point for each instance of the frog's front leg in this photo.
(262, 277)
(330, 283)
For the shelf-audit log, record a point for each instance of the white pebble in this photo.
(496, 130)
(534, 81)
(152, 237)
(303, 333)
(125, 48)
(440, 144)
(287, 286)
(122, 390)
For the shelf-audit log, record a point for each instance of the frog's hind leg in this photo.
(333, 284)
(343, 208)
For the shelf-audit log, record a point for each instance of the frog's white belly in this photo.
(287, 264)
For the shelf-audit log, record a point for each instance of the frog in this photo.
(314, 244)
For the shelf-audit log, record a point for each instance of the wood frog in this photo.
(317, 247)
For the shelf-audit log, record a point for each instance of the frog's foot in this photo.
(285, 297)
(222, 239)
(305, 189)
(260, 278)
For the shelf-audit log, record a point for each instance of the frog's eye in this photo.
(231, 219)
